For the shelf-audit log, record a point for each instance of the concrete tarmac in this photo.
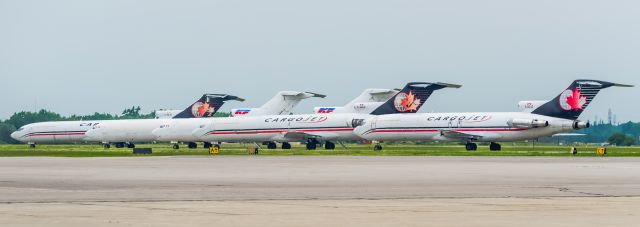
(319, 191)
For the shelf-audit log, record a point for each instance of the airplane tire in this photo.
(311, 146)
(106, 146)
(119, 145)
(176, 146)
(471, 147)
(32, 145)
(192, 145)
(377, 147)
(131, 145)
(272, 146)
(207, 145)
(286, 146)
(495, 147)
(329, 146)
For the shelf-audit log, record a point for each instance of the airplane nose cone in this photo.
(14, 135)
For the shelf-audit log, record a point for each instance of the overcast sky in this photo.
(79, 57)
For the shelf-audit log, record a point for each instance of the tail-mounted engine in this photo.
(528, 123)
(581, 125)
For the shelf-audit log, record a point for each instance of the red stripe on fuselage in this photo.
(456, 130)
(278, 131)
(59, 134)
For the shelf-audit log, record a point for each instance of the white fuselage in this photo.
(54, 132)
(488, 127)
(180, 130)
(120, 131)
(280, 128)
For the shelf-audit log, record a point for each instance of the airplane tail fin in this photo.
(575, 99)
(411, 98)
(206, 106)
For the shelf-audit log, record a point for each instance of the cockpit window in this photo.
(202, 126)
(20, 129)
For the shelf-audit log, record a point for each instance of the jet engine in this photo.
(581, 125)
(528, 123)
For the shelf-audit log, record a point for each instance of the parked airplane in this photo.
(74, 131)
(368, 101)
(281, 104)
(128, 132)
(311, 128)
(555, 116)
(180, 130)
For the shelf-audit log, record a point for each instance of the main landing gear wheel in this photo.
(176, 146)
(312, 144)
(471, 147)
(272, 146)
(131, 145)
(106, 146)
(33, 145)
(192, 145)
(329, 146)
(286, 146)
(377, 147)
(207, 145)
(119, 145)
(495, 147)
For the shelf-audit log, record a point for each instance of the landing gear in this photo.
(32, 145)
(176, 146)
(286, 146)
(192, 145)
(495, 146)
(131, 145)
(272, 146)
(329, 146)
(377, 147)
(312, 144)
(207, 145)
(119, 145)
(471, 146)
(106, 145)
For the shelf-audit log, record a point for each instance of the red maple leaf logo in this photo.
(410, 103)
(203, 109)
(576, 101)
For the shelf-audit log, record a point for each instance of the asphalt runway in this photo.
(319, 191)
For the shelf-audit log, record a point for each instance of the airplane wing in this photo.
(307, 135)
(459, 135)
